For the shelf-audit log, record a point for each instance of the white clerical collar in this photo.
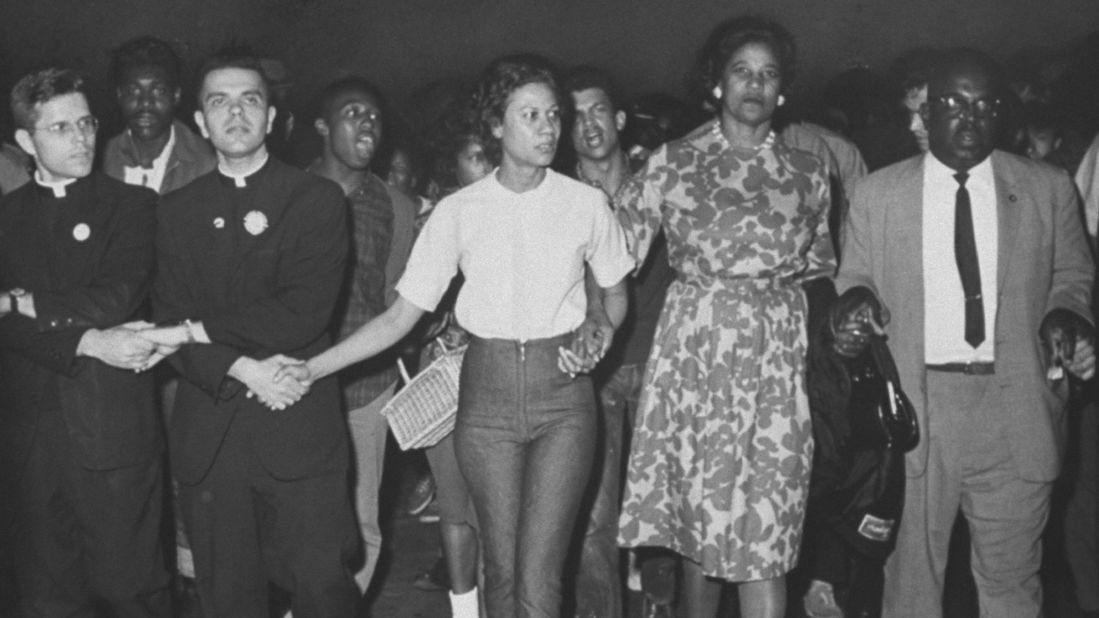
(57, 186)
(240, 178)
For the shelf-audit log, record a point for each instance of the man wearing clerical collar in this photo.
(155, 150)
(80, 433)
(250, 261)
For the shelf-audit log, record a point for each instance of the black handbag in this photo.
(879, 413)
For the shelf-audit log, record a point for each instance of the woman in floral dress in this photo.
(719, 466)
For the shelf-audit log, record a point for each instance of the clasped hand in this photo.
(125, 346)
(1070, 340)
(855, 317)
(278, 382)
(590, 343)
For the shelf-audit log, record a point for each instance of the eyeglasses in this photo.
(955, 105)
(65, 129)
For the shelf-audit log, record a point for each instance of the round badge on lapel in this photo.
(82, 232)
(219, 223)
(255, 222)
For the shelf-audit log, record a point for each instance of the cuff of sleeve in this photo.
(47, 318)
(229, 388)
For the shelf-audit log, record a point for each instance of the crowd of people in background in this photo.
(659, 301)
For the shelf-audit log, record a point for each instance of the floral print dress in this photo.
(721, 452)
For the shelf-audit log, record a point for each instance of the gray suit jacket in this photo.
(1044, 263)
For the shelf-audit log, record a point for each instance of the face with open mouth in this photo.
(961, 116)
(148, 98)
(596, 126)
(354, 126)
(750, 85)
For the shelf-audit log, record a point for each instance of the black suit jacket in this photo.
(258, 292)
(88, 259)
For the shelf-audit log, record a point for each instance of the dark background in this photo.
(404, 44)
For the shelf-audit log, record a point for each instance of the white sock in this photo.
(465, 605)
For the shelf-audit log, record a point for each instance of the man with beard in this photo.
(602, 163)
(350, 123)
(250, 261)
(155, 150)
(79, 427)
(980, 257)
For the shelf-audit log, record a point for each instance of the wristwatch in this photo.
(14, 295)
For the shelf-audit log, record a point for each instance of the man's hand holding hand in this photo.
(121, 347)
(276, 390)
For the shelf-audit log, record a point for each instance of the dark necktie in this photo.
(965, 253)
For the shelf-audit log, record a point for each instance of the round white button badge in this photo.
(82, 232)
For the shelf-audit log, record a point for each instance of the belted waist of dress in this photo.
(742, 282)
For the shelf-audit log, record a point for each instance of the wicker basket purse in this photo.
(422, 413)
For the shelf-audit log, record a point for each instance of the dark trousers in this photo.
(524, 440)
(87, 538)
(247, 529)
(599, 583)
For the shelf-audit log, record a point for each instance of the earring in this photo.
(781, 100)
(716, 92)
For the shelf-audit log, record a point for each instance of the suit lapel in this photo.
(1008, 220)
(904, 269)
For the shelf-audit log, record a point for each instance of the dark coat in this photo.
(257, 294)
(78, 282)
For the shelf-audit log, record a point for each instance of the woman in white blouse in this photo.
(526, 430)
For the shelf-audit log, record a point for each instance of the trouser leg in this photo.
(308, 537)
(598, 589)
(558, 464)
(369, 431)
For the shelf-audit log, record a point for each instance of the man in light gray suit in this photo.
(981, 259)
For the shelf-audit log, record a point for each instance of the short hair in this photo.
(587, 77)
(39, 87)
(950, 60)
(145, 51)
(234, 57)
(503, 77)
(733, 34)
(352, 83)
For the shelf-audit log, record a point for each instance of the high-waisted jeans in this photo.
(524, 438)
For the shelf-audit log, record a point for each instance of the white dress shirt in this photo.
(151, 177)
(944, 299)
(522, 255)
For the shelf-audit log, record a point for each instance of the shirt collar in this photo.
(240, 179)
(58, 187)
(982, 172)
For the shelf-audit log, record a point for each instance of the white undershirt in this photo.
(944, 299)
(151, 177)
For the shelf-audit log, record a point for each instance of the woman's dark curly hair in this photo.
(733, 34)
(453, 133)
(503, 77)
